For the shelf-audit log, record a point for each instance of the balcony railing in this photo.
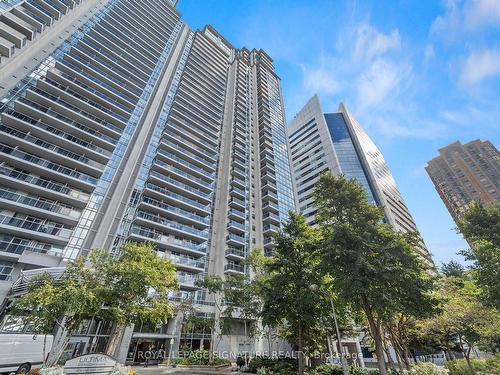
(172, 224)
(46, 227)
(40, 203)
(175, 210)
(54, 186)
(47, 164)
(178, 197)
(234, 267)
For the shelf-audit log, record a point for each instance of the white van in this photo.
(20, 352)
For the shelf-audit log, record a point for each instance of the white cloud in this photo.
(466, 17)
(481, 13)
(480, 64)
(320, 79)
(370, 42)
(380, 79)
(429, 53)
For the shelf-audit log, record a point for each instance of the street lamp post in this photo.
(343, 361)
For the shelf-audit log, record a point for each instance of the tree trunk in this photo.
(466, 354)
(377, 337)
(115, 339)
(61, 339)
(300, 346)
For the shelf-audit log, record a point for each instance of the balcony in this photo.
(270, 229)
(234, 253)
(162, 222)
(238, 172)
(188, 281)
(236, 214)
(61, 190)
(184, 164)
(236, 227)
(182, 187)
(271, 218)
(237, 203)
(23, 158)
(268, 176)
(13, 199)
(237, 163)
(238, 193)
(18, 246)
(270, 186)
(186, 177)
(270, 196)
(166, 241)
(187, 262)
(154, 204)
(177, 198)
(234, 239)
(234, 268)
(38, 229)
(270, 207)
(238, 182)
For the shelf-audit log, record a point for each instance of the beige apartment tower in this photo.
(464, 173)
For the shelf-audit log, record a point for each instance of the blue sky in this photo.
(417, 74)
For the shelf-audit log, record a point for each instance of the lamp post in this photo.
(345, 368)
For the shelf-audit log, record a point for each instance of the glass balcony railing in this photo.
(181, 185)
(60, 133)
(178, 197)
(235, 237)
(237, 252)
(51, 147)
(235, 224)
(181, 161)
(189, 154)
(234, 267)
(86, 100)
(166, 239)
(180, 172)
(186, 261)
(172, 224)
(175, 210)
(31, 246)
(47, 164)
(42, 204)
(46, 227)
(54, 186)
(67, 120)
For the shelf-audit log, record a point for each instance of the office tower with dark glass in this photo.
(464, 173)
(336, 142)
(119, 123)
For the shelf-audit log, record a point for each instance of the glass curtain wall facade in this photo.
(119, 124)
(336, 142)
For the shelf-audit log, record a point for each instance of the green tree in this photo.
(481, 228)
(376, 270)
(464, 319)
(132, 287)
(453, 268)
(293, 268)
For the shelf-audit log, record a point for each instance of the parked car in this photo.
(20, 352)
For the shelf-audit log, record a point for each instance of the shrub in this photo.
(199, 358)
(326, 369)
(283, 366)
(427, 368)
(485, 366)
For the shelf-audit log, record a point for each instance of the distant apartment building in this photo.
(120, 123)
(336, 142)
(464, 173)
